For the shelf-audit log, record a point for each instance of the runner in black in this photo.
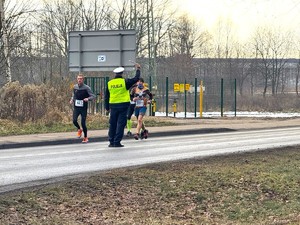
(82, 93)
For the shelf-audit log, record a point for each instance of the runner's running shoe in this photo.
(142, 134)
(129, 134)
(85, 140)
(136, 136)
(79, 133)
(146, 133)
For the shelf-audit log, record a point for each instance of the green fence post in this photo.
(235, 97)
(222, 96)
(102, 95)
(94, 104)
(184, 98)
(195, 108)
(106, 86)
(150, 83)
(167, 95)
(96, 91)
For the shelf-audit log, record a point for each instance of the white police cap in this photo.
(119, 70)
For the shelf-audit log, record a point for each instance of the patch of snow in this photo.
(229, 114)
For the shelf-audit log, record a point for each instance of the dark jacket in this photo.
(82, 92)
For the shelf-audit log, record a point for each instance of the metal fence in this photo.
(98, 86)
(172, 96)
(194, 96)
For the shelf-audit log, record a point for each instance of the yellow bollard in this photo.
(201, 98)
(174, 107)
(153, 107)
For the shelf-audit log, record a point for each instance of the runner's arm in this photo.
(132, 81)
(92, 96)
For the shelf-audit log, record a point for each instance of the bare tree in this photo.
(122, 12)
(59, 17)
(95, 15)
(297, 74)
(273, 48)
(185, 41)
(12, 23)
(223, 45)
(241, 66)
(152, 20)
(182, 38)
(5, 43)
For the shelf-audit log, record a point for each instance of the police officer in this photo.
(117, 101)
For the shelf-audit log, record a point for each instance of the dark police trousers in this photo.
(117, 123)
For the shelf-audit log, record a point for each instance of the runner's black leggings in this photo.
(130, 111)
(83, 113)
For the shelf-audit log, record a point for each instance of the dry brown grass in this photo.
(278, 103)
(249, 188)
(29, 103)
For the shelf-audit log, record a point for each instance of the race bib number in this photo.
(79, 103)
(140, 103)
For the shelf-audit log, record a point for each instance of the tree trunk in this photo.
(266, 86)
(5, 42)
(297, 78)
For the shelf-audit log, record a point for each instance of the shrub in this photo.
(278, 103)
(34, 102)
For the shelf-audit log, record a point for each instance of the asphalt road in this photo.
(23, 167)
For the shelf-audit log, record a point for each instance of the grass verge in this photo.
(94, 122)
(249, 188)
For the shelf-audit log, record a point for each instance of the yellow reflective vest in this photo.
(117, 91)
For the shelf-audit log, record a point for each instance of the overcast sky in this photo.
(245, 15)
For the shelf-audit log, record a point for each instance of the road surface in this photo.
(25, 167)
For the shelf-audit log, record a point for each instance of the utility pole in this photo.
(151, 40)
(5, 42)
(153, 43)
(133, 14)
